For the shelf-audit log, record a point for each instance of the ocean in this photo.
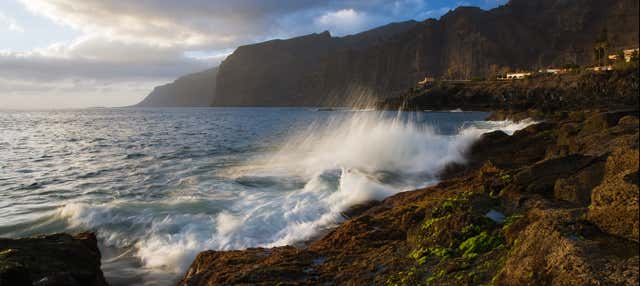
(159, 185)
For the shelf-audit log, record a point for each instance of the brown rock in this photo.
(51, 260)
(614, 205)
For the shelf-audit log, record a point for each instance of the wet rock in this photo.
(51, 260)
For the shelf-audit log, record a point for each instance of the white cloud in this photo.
(126, 47)
(342, 21)
(10, 23)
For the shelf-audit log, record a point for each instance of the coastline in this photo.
(552, 201)
(562, 209)
(549, 203)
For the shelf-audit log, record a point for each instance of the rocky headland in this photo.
(554, 204)
(538, 96)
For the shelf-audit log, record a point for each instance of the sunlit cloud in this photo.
(10, 23)
(155, 41)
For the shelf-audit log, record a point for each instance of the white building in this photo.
(516, 75)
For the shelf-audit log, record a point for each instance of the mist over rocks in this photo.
(468, 42)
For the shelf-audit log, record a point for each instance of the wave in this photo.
(323, 170)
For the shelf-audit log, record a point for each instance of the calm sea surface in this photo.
(160, 185)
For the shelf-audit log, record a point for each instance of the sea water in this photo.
(160, 185)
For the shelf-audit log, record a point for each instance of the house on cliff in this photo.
(515, 75)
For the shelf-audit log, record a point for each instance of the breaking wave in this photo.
(277, 195)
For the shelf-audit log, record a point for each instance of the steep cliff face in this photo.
(293, 72)
(277, 72)
(193, 90)
(468, 42)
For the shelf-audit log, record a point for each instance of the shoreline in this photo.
(445, 233)
(519, 201)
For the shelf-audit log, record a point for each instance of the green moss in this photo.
(421, 254)
(451, 204)
(437, 275)
(478, 244)
(429, 223)
(7, 252)
(403, 278)
(506, 178)
(471, 230)
(512, 218)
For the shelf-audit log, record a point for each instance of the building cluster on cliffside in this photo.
(614, 61)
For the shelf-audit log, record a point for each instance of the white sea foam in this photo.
(344, 162)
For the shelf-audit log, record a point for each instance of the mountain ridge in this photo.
(466, 42)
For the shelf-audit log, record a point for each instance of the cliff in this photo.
(545, 93)
(292, 72)
(193, 90)
(467, 42)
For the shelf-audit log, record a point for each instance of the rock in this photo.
(557, 248)
(577, 188)
(541, 177)
(516, 215)
(614, 205)
(51, 260)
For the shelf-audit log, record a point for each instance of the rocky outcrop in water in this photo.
(51, 260)
(554, 204)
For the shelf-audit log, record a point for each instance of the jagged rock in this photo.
(615, 202)
(51, 260)
(577, 187)
(441, 235)
(558, 248)
(533, 97)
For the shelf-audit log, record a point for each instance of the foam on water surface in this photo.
(262, 182)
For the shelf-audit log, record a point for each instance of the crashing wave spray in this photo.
(290, 195)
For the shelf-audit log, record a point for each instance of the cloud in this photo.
(10, 23)
(342, 21)
(126, 45)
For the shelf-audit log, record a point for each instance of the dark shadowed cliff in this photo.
(319, 69)
(193, 90)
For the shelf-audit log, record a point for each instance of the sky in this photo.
(84, 53)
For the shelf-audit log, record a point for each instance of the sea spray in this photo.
(276, 195)
(348, 160)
